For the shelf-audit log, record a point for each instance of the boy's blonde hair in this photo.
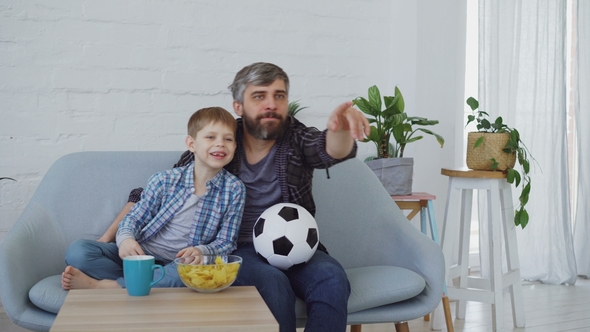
(208, 115)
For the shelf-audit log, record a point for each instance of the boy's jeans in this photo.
(101, 260)
(321, 283)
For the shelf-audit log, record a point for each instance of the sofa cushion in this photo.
(371, 286)
(48, 294)
(374, 286)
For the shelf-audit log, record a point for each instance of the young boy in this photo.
(182, 212)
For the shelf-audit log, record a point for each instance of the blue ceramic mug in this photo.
(138, 272)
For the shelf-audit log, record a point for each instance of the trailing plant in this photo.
(392, 122)
(514, 146)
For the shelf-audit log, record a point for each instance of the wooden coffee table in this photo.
(165, 309)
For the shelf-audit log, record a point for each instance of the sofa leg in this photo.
(402, 327)
(448, 316)
(355, 328)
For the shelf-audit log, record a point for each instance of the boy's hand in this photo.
(191, 251)
(130, 247)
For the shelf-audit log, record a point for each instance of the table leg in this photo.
(494, 227)
(432, 219)
(423, 227)
(355, 328)
(464, 237)
(512, 259)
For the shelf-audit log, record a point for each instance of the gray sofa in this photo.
(396, 272)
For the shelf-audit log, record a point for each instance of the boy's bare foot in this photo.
(72, 278)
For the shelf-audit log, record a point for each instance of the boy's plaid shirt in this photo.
(219, 211)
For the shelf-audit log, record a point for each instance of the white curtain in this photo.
(582, 115)
(522, 78)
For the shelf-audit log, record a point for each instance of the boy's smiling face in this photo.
(214, 146)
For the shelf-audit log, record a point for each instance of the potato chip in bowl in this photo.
(208, 273)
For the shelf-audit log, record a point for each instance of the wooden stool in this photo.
(457, 229)
(422, 202)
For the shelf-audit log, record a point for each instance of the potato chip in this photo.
(209, 277)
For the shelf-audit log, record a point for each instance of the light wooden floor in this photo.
(548, 308)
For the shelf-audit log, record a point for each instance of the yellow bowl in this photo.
(208, 273)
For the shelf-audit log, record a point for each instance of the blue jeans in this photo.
(321, 283)
(101, 260)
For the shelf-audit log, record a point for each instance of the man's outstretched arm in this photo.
(345, 125)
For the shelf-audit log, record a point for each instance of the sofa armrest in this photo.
(30, 251)
(419, 253)
(388, 238)
(361, 225)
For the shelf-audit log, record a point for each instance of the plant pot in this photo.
(394, 173)
(480, 158)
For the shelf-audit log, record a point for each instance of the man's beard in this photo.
(269, 131)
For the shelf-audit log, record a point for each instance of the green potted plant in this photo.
(497, 147)
(391, 130)
(295, 108)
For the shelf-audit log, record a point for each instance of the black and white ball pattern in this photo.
(285, 235)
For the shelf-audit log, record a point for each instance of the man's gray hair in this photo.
(260, 74)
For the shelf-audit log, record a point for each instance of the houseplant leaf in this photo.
(295, 107)
(399, 102)
(521, 218)
(478, 142)
(375, 98)
(439, 139)
(473, 103)
(366, 107)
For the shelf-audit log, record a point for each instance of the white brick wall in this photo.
(125, 75)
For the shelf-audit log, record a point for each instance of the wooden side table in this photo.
(457, 229)
(420, 202)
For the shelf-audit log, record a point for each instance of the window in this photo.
(471, 90)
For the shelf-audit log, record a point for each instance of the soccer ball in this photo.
(286, 234)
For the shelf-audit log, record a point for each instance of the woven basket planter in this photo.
(480, 158)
